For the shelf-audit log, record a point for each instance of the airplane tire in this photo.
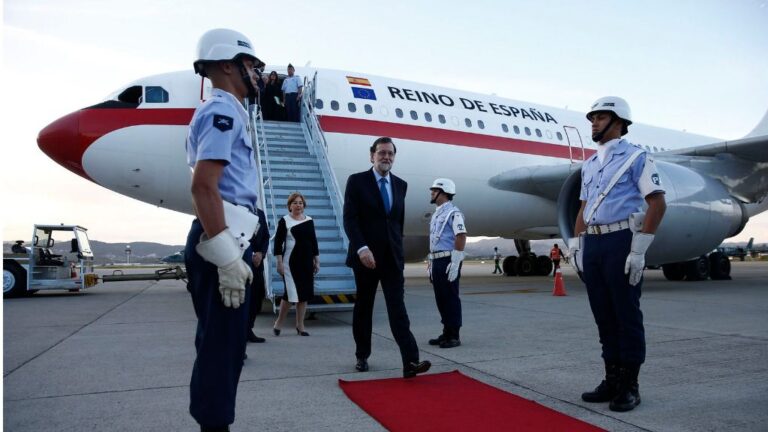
(526, 265)
(697, 269)
(544, 265)
(719, 266)
(509, 266)
(673, 271)
(14, 280)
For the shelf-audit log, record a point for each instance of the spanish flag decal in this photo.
(358, 81)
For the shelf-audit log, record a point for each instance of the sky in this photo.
(699, 65)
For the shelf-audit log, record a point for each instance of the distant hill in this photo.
(108, 253)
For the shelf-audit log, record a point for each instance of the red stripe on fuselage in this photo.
(446, 136)
(97, 122)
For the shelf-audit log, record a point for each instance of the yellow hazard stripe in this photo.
(335, 299)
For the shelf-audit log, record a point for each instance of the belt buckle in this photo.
(597, 228)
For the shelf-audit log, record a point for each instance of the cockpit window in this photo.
(155, 94)
(130, 95)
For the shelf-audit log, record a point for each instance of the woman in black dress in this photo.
(296, 246)
(272, 110)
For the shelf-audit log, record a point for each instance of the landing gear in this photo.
(715, 266)
(526, 263)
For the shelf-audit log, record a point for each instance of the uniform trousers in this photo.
(292, 107)
(392, 280)
(219, 341)
(615, 303)
(446, 293)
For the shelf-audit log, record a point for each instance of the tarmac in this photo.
(118, 357)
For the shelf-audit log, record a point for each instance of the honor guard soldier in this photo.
(613, 237)
(220, 153)
(447, 237)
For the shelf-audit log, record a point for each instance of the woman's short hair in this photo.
(292, 197)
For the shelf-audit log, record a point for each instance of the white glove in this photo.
(575, 253)
(234, 274)
(636, 258)
(453, 268)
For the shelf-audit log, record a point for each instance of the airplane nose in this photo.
(62, 142)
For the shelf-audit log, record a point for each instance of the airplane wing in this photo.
(741, 165)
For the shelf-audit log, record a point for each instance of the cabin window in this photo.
(504, 127)
(399, 113)
(334, 105)
(516, 129)
(455, 120)
(441, 118)
(559, 136)
(527, 131)
(549, 134)
(414, 115)
(428, 117)
(352, 107)
(155, 94)
(319, 103)
(468, 122)
(368, 109)
(480, 124)
(538, 132)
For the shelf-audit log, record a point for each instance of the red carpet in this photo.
(452, 401)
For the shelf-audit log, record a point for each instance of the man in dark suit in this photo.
(374, 210)
(259, 245)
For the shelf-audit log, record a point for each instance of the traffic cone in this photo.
(559, 289)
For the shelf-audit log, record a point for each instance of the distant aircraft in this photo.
(737, 251)
(177, 258)
(516, 164)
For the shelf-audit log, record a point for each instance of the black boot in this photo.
(438, 340)
(628, 394)
(608, 388)
(451, 339)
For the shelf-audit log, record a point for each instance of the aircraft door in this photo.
(575, 145)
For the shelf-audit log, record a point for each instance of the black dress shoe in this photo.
(450, 343)
(438, 340)
(255, 339)
(301, 332)
(412, 369)
(276, 331)
(362, 365)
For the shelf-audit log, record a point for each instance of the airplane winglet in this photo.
(761, 129)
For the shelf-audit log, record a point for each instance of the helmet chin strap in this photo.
(599, 136)
(247, 81)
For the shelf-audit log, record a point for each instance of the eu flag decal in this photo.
(363, 93)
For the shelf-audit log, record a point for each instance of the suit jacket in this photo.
(367, 224)
(260, 240)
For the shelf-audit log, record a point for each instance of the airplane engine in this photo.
(700, 214)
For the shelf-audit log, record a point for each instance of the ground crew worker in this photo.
(610, 254)
(447, 238)
(555, 254)
(496, 259)
(220, 151)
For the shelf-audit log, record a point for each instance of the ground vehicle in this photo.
(40, 269)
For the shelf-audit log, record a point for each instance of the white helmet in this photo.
(444, 184)
(222, 45)
(614, 104)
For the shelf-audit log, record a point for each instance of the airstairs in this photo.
(293, 158)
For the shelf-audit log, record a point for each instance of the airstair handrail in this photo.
(257, 125)
(320, 145)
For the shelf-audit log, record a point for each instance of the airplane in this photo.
(742, 252)
(517, 164)
(175, 258)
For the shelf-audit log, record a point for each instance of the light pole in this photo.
(128, 254)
